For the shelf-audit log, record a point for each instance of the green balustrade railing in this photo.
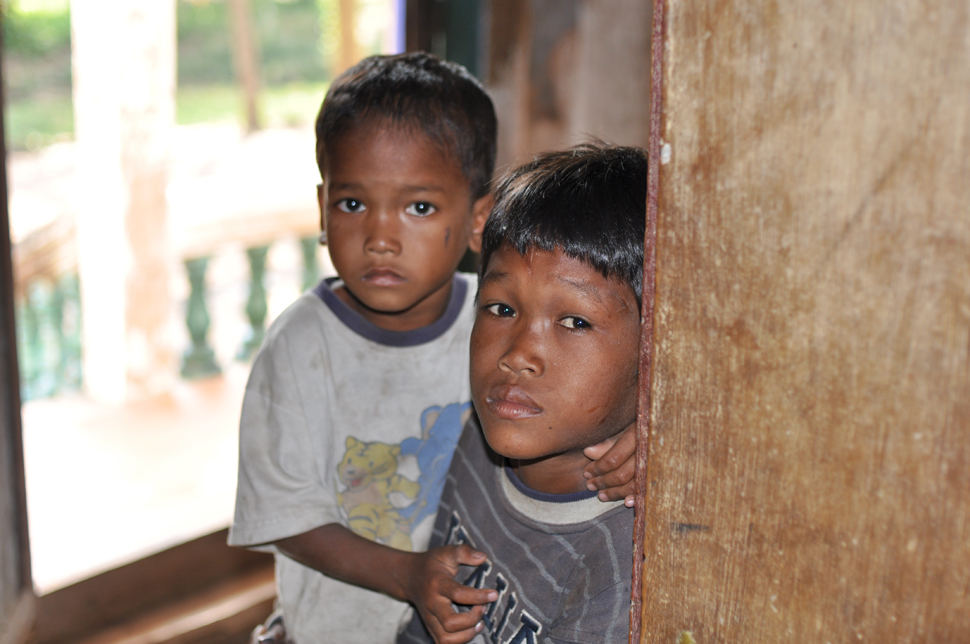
(199, 360)
(49, 338)
(49, 323)
(256, 306)
(311, 269)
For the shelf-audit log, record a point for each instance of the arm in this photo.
(613, 467)
(425, 579)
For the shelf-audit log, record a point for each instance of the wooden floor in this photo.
(107, 485)
(198, 592)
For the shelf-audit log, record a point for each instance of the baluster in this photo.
(256, 305)
(199, 360)
(311, 269)
(56, 310)
(40, 355)
(70, 331)
(27, 337)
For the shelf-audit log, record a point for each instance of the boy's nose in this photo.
(523, 355)
(383, 235)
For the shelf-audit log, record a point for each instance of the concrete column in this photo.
(124, 109)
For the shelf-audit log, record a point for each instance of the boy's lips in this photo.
(512, 403)
(382, 277)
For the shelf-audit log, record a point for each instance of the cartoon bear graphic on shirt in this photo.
(369, 470)
(380, 503)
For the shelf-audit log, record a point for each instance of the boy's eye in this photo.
(573, 322)
(350, 205)
(501, 310)
(420, 209)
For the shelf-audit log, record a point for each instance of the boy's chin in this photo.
(520, 451)
(500, 443)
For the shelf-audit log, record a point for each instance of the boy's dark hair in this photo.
(589, 201)
(415, 90)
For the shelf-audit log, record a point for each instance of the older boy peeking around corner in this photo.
(356, 400)
(554, 359)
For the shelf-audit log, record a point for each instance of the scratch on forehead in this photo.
(582, 285)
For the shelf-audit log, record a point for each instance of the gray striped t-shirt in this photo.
(562, 564)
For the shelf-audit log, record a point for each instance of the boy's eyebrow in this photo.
(577, 285)
(353, 185)
(492, 276)
(584, 286)
(424, 189)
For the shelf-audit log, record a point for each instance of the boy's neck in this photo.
(560, 474)
(424, 313)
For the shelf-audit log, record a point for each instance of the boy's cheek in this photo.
(482, 348)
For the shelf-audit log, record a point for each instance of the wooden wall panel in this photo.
(808, 458)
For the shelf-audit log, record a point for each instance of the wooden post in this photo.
(348, 53)
(124, 108)
(245, 58)
(612, 80)
(807, 469)
(565, 71)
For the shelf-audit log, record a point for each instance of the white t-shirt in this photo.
(345, 422)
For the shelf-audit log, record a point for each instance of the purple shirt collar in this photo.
(367, 329)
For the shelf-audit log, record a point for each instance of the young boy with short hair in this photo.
(356, 400)
(554, 362)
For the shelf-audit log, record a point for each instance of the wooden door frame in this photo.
(647, 314)
(11, 431)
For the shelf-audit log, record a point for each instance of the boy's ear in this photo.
(480, 211)
(321, 195)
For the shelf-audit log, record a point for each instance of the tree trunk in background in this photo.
(245, 58)
(808, 463)
(348, 54)
(124, 109)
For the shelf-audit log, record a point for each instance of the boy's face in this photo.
(399, 216)
(554, 356)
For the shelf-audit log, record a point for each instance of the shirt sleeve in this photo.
(280, 490)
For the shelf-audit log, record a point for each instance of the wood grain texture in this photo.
(16, 589)
(142, 587)
(808, 475)
(648, 308)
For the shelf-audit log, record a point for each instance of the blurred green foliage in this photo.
(37, 52)
(288, 33)
(35, 33)
(293, 60)
(282, 106)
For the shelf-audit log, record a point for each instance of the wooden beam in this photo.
(120, 596)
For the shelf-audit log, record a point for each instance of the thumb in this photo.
(595, 452)
(468, 556)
